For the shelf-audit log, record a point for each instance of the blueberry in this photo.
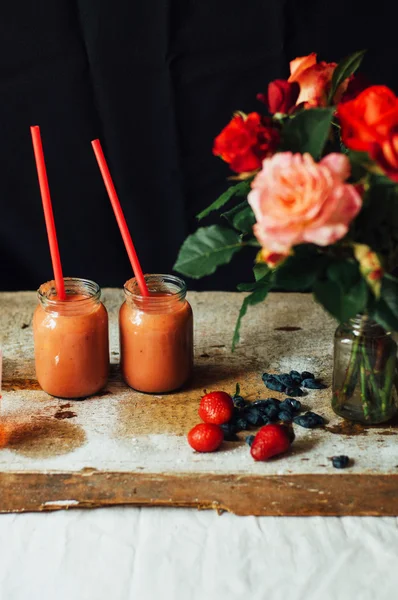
(307, 375)
(241, 424)
(295, 375)
(253, 416)
(291, 404)
(269, 402)
(249, 439)
(318, 419)
(239, 402)
(313, 384)
(264, 420)
(274, 385)
(236, 413)
(272, 413)
(229, 430)
(294, 391)
(309, 420)
(340, 462)
(285, 380)
(286, 416)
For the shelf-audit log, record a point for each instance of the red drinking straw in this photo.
(48, 212)
(121, 221)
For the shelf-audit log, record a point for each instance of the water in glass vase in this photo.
(365, 372)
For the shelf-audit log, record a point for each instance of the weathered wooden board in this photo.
(124, 447)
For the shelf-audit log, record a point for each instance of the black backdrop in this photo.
(155, 80)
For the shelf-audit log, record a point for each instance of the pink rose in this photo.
(314, 79)
(296, 200)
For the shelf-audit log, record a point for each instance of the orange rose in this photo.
(314, 79)
(369, 123)
(246, 141)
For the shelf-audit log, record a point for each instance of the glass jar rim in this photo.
(89, 287)
(175, 287)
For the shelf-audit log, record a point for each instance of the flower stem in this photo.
(364, 398)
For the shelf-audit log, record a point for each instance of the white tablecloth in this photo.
(183, 554)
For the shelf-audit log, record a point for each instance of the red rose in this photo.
(281, 97)
(356, 85)
(246, 141)
(369, 123)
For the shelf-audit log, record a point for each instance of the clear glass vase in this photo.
(364, 372)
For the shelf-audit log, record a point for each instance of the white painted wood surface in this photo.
(127, 431)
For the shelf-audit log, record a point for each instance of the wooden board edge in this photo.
(269, 495)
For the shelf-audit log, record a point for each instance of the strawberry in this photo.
(270, 441)
(205, 437)
(216, 407)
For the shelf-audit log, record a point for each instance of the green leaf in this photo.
(360, 163)
(345, 273)
(345, 69)
(299, 272)
(341, 305)
(308, 131)
(253, 285)
(258, 294)
(386, 310)
(241, 217)
(240, 189)
(206, 249)
(384, 316)
(260, 270)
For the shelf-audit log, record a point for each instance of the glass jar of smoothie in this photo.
(156, 335)
(71, 339)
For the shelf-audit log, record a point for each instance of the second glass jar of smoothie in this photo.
(156, 335)
(71, 339)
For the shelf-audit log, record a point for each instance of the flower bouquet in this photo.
(315, 193)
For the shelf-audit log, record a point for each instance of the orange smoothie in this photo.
(156, 335)
(71, 340)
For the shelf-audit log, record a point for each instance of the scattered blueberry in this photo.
(286, 380)
(291, 404)
(264, 420)
(271, 412)
(313, 384)
(241, 424)
(315, 417)
(229, 430)
(309, 420)
(253, 416)
(274, 385)
(268, 403)
(239, 402)
(307, 375)
(249, 439)
(340, 462)
(294, 391)
(295, 375)
(286, 416)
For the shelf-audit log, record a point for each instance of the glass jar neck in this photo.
(166, 293)
(82, 296)
(362, 324)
